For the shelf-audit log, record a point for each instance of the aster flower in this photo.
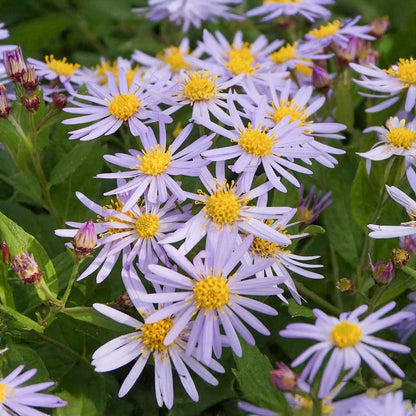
(145, 342)
(348, 341)
(189, 12)
(400, 76)
(407, 328)
(217, 296)
(311, 9)
(112, 106)
(135, 232)
(152, 168)
(338, 32)
(255, 410)
(19, 400)
(311, 206)
(226, 209)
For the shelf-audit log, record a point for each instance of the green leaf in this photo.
(299, 310)
(23, 321)
(253, 375)
(344, 103)
(314, 230)
(26, 185)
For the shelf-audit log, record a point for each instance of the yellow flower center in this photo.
(4, 392)
(346, 334)
(155, 161)
(200, 86)
(326, 30)
(304, 69)
(256, 141)
(307, 215)
(401, 137)
(405, 71)
(264, 248)
(61, 66)
(211, 293)
(147, 225)
(241, 61)
(307, 403)
(123, 106)
(118, 206)
(154, 334)
(289, 108)
(223, 206)
(174, 57)
(284, 54)
(105, 67)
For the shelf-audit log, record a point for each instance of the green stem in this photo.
(77, 309)
(22, 134)
(317, 299)
(335, 276)
(50, 296)
(317, 407)
(409, 271)
(71, 282)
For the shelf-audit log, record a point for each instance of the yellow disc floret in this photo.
(304, 69)
(61, 66)
(174, 58)
(401, 136)
(346, 334)
(154, 334)
(211, 293)
(118, 206)
(264, 248)
(241, 61)
(284, 54)
(123, 106)
(257, 142)
(147, 225)
(200, 86)
(223, 206)
(289, 108)
(4, 392)
(326, 30)
(405, 71)
(155, 161)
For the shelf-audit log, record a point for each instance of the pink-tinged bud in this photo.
(408, 243)
(124, 301)
(85, 240)
(26, 267)
(31, 102)
(59, 100)
(399, 258)
(320, 79)
(347, 54)
(5, 252)
(5, 107)
(283, 378)
(30, 79)
(383, 273)
(379, 27)
(345, 285)
(15, 64)
(368, 58)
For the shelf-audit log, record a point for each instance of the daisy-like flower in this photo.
(226, 209)
(400, 76)
(145, 342)
(311, 206)
(135, 232)
(338, 32)
(113, 105)
(21, 401)
(407, 328)
(189, 12)
(311, 9)
(258, 145)
(397, 138)
(153, 167)
(348, 341)
(215, 294)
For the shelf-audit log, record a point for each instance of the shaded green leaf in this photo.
(299, 310)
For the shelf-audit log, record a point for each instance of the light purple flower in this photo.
(311, 206)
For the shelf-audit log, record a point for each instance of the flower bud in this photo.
(124, 301)
(15, 64)
(5, 252)
(408, 243)
(379, 27)
(26, 267)
(59, 100)
(31, 102)
(5, 107)
(320, 79)
(85, 240)
(399, 258)
(345, 285)
(30, 79)
(383, 273)
(283, 378)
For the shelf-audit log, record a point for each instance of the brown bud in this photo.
(26, 267)
(15, 64)
(399, 258)
(5, 252)
(5, 107)
(59, 100)
(30, 79)
(383, 273)
(31, 102)
(124, 301)
(345, 285)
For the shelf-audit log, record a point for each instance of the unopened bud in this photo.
(5, 107)
(124, 301)
(399, 258)
(320, 79)
(345, 285)
(30, 79)
(5, 252)
(59, 100)
(379, 27)
(85, 240)
(26, 268)
(408, 243)
(283, 378)
(15, 64)
(383, 273)
(31, 102)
